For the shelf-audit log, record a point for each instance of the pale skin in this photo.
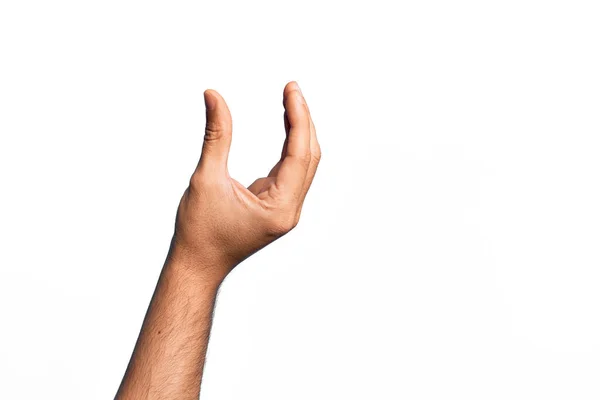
(219, 224)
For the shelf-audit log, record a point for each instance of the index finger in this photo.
(294, 166)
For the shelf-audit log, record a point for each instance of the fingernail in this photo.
(210, 101)
(298, 88)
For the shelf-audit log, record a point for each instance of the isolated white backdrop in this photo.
(449, 247)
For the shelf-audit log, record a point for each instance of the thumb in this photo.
(217, 135)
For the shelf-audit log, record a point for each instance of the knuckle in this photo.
(316, 155)
(196, 181)
(212, 131)
(202, 181)
(306, 159)
(303, 159)
(281, 225)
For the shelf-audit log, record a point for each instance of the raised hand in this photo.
(219, 221)
(219, 224)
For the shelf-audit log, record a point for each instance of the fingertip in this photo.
(294, 99)
(290, 88)
(210, 100)
(292, 85)
(218, 117)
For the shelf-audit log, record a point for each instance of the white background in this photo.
(449, 247)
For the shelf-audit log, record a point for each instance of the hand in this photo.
(219, 221)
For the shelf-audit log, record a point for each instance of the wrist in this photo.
(196, 265)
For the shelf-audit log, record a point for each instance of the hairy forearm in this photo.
(219, 224)
(168, 359)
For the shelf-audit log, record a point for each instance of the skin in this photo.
(219, 224)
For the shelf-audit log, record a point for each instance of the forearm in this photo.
(169, 355)
(219, 224)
